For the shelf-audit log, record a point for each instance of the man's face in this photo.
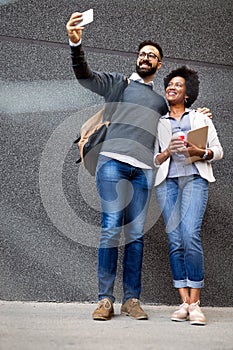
(148, 61)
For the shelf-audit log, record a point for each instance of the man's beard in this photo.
(142, 72)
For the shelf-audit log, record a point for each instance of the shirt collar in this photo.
(136, 77)
(167, 116)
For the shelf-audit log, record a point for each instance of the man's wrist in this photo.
(75, 44)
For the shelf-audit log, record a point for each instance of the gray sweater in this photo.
(134, 119)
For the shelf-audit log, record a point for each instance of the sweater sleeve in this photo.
(79, 63)
(108, 85)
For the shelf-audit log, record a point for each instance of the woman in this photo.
(182, 189)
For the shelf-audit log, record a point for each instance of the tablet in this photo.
(199, 138)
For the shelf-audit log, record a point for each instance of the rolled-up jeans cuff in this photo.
(187, 283)
(195, 284)
(180, 283)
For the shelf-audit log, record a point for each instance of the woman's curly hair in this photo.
(191, 82)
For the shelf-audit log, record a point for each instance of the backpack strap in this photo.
(78, 139)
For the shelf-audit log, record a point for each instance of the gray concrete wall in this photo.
(50, 218)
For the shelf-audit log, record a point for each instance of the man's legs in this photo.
(124, 193)
(134, 220)
(111, 187)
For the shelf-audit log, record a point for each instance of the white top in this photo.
(197, 120)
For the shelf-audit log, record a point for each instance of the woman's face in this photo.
(176, 91)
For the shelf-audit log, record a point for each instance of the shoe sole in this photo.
(135, 318)
(197, 323)
(179, 319)
(102, 318)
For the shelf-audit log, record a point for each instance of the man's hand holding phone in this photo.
(76, 24)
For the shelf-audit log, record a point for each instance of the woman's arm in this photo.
(213, 142)
(174, 146)
(160, 158)
(213, 151)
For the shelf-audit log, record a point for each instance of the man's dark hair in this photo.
(191, 82)
(152, 43)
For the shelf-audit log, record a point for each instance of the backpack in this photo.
(89, 142)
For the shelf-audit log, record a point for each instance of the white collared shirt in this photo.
(136, 77)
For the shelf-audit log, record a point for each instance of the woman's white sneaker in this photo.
(181, 314)
(196, 316)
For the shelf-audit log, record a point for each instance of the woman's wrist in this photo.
(207, 154)
(162, 157)
(167, 153)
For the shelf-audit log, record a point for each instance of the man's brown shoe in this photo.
(104, 310)
(133, 309)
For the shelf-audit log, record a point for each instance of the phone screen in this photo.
(87, 18)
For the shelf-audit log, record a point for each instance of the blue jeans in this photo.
(124, 193)
(183, 202)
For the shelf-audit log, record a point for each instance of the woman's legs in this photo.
(184, 295)
(189, 295)
(183, 203)
(193, 205)
(189, 308)
(169, 197)
(195, 294)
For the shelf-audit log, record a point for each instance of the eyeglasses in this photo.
(150, 55)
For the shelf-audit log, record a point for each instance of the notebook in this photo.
(199, 138)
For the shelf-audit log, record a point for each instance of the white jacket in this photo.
(163, 139)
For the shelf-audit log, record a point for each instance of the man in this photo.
(124, 173)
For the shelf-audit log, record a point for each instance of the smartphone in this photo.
(87, 18)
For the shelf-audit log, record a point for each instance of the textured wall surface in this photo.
(50, 218)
